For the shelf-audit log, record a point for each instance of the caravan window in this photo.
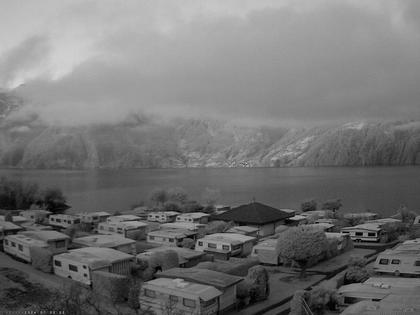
(13, 244)
(200, 243)
(395, 262)
(73, 268)
(211, 245)
(173, 299)
(189, 303)
(58, 220)
(417, 263)
(57, 263)
(151, 237)
(225, 247)
(384, 261)
(171, 240)
(6, 242)
(359, 233)
(371, 234)
(60, 244)
(20, 247)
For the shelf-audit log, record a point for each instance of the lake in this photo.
(379, 189)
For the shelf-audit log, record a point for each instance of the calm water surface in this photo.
(380, 189)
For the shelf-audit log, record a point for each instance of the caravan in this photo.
(368, 232)
(78, 264)
(129, 229)
(398, 262)
(20, 246)
(63, 220)
(162, 216)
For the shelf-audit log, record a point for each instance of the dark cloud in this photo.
(334, 62)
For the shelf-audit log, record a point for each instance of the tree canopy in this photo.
(309, 205)
(301, 244)
(20, 195)
(332, 204)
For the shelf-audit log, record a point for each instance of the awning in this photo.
(209, 294)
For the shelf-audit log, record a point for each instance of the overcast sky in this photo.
(259, 61)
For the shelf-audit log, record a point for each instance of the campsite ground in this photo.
(284, 281)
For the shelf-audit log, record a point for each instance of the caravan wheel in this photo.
(397, 273)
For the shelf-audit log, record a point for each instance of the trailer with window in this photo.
(63, 220)
(368, 232)
(162, 216)
(398, 262)
(193, 217)
(129, 229)
(225, 245)
(94, 218)
(170, 237)
(177, 296)
(19, 246)
(78, 264)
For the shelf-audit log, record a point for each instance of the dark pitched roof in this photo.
(217, 279)
(254, 213)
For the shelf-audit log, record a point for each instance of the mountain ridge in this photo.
(142, 142)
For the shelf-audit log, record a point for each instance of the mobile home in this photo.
(63, 220)
(367, 232)
(122, 218)
(116, 242)
(129, 229)
(193, 217)
(16, 219)
(36, 216)
(398, 262)
(224, 282)
(170, 237)
(162, 216)
(20, 246)
(226, 245)
(173, 296)
(9, 228)
(266, 252)
(94, 218)
(78, 264)
(57, 242)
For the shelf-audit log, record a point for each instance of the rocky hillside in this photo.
(145, 143)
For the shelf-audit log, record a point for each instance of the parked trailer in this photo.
(368, 232)
(398, 262)
(19, 246)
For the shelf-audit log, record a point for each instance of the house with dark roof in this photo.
(258, 215)
(224, 282)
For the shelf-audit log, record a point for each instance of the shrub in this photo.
(302, 245)
(356, 271)
(297, 303)
(309, 205)
(111, 285)
(260, 286)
